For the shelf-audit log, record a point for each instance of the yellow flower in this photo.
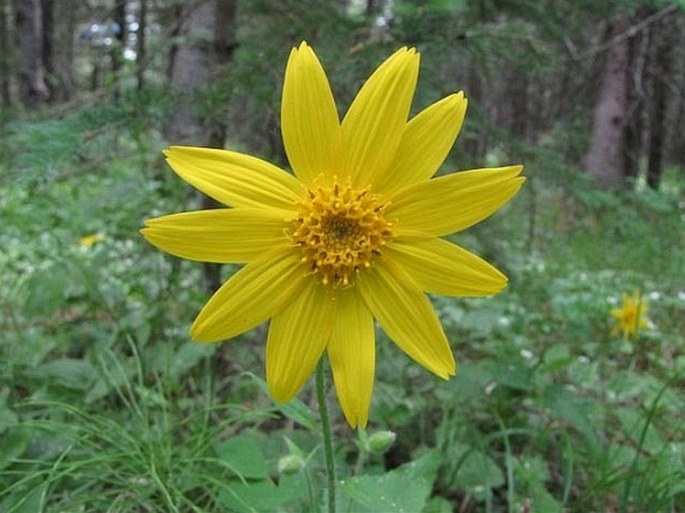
(631, 317)
(90, 240)
(355, 235)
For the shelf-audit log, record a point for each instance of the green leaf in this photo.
(25, 500)
(27, 349)
(571, 407)
(532, 474)
(244, 457)
(557, 357)
(478, 471)
(405, 489)
(46, 290)
(513, 373)
(263, 496)
(633, 422)
(471, 382)
(12, 445)
(438, 505)
(189, 355)
(8, 418)
(294, 409)
(68, 372)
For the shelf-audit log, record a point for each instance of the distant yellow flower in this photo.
(631, 317)
(353, 236)
(89, 240)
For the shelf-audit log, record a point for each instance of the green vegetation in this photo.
(105, 404)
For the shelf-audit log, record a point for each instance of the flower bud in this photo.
(381, 441)
(290, 464)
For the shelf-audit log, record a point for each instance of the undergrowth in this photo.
(105, 404)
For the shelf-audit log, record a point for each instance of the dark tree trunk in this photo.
(117, 51)
(224, 47)
(5, 56)
(195, 61)
(518, 92)
(59, 26)
(663, 39)
(475, 145)
(225, 44)
(173, 16)
(140, 46)
(65, 62)
(29, 32)
(676, 153)
(605, 160)
(373, 7)
(48, 50)
(637, 55)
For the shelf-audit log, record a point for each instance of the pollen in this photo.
(341, 231)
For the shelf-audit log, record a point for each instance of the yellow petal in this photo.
(352, 354)
(255, 293)
(227, 235)
(90, 240)
(444, 268)
(309, 118)
(373, 126)
(426, 141)
(297, 338)
(407, 316)
(451, 203)
(234, 179)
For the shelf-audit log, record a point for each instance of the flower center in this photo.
(340, 231)
(630, 315)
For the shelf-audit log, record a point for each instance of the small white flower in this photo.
(528, 355)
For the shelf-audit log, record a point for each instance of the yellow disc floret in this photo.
(341, 231)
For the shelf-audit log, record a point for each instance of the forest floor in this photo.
(106, 405)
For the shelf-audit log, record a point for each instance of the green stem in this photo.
(326, 432)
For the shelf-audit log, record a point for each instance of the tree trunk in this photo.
(476, 146)
(637, 55)
(605, 160)
(59, 26)
(195, 60)
(140, 46)
(48, 46)
(518, 93)
(225, 44)
(117, 49)
(676, 153)
(224, 47)
(29, 32)
(663, 39)
(65, 62)
(5, 56)
(172, 17)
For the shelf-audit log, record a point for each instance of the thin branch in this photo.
(631, 31)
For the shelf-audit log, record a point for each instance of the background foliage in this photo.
(105, 404)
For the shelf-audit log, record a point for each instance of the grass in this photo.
(105, 405)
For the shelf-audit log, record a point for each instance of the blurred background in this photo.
(106, 405)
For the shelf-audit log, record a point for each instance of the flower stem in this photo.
(326, 432)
